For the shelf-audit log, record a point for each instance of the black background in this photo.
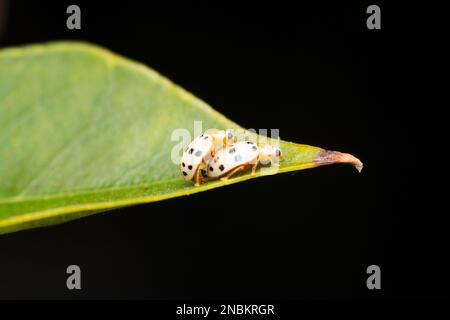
(313, 71)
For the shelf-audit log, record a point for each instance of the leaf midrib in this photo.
(85, 191)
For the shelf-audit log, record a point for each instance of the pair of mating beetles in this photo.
(216, 154)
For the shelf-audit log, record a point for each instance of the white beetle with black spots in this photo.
(240, 156)
(201, 150)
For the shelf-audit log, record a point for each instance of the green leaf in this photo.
(83, 130)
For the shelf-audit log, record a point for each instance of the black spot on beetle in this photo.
(230, 135)
(198, 153)
(237, 158)
(192, 150)
(183, 164)
(254, 148)
(211, 169)
(232, 150)
(221, 167)
(184, 173)
(278, 152)
(206, 138)
(189, 167)
(249, 142)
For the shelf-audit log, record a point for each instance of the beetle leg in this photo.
(225, 178)
(198, 178)
(254, 165)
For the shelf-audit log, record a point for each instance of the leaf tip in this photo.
(331, 157)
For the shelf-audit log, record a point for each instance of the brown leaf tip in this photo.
(327, 157)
